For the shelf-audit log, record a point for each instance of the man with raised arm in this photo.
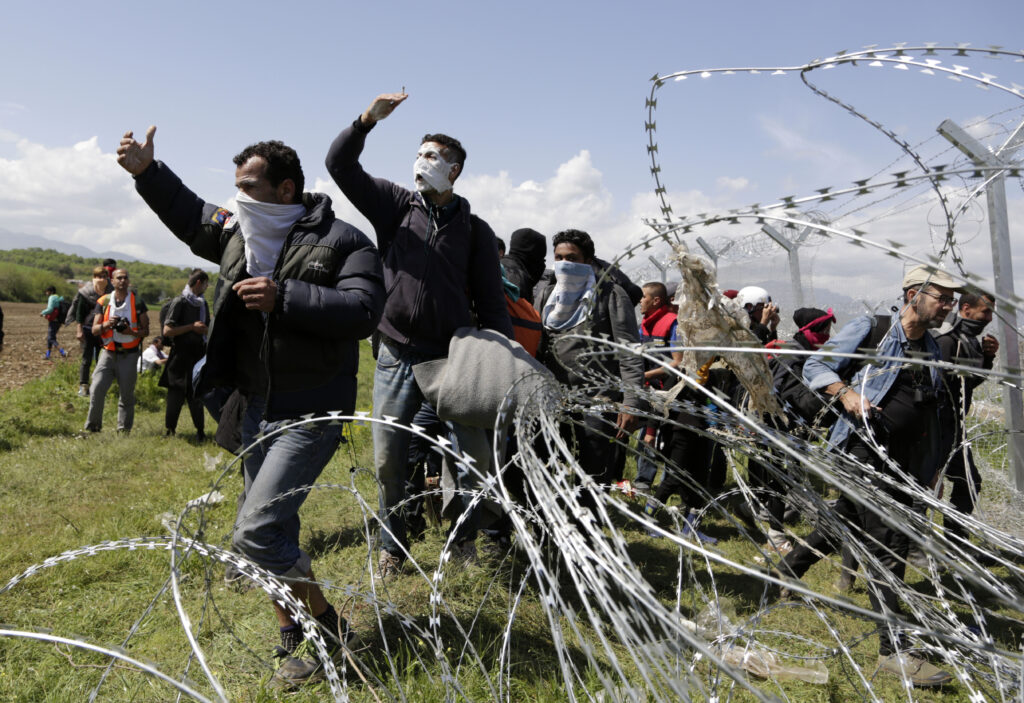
(441, 269)
(298, 289)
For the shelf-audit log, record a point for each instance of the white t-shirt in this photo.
(150, 357)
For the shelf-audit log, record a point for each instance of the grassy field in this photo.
(59, 493)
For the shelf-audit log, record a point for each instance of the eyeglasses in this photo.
(943, 299)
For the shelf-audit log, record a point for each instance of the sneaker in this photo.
(466, 553)
(388, 565)
(690, 531)
(918, 671)
(844, 583)
(917, 558)
(83, 391)
(46, 356)
(63, 354)
(779, 547)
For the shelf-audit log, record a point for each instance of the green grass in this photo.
(59, 493)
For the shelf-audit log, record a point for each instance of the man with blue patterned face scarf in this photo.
(577, 299)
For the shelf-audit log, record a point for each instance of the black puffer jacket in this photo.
(435, 280)
(330, 295)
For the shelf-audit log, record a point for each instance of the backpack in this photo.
(810, 406)
(525, 324)
(164, 310)
(62, 312)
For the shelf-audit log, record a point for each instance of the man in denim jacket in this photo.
(897, 404)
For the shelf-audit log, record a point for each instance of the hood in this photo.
(528, 247)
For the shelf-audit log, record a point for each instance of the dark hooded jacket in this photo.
(524, 263)
(305, 353)
(438, 271)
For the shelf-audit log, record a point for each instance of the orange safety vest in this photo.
(108, 335)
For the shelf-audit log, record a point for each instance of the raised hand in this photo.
(382, 106)
(134, 157)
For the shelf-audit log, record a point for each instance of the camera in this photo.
(122, 324)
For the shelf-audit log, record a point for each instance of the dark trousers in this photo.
(90, 352)
(177, 398)
(688, 470)
(885, 543)
(966, 480)
(52, 328)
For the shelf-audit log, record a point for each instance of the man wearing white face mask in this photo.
(298, 289)
(440, 267)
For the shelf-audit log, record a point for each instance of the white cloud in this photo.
(78, 194)
(733, 184)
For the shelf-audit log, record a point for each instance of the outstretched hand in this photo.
(382, 106)
(134, 157)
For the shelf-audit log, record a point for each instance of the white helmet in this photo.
(752, 295)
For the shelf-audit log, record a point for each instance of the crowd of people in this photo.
(299, 288)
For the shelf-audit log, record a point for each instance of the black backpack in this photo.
(812, 407)
(62, 311)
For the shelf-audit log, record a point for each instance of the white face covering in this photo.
(264, 227)
(433, 171)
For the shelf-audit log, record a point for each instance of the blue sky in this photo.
(548, 97)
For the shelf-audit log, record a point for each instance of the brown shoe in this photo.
(919, 672)
(388, 565)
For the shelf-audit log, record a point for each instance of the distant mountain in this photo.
(10, 240)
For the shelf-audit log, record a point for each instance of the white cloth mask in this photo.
(264, 228)
(433, 172)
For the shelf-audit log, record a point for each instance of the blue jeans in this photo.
(395, 394)
(267, 528)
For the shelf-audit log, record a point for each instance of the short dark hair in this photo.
(196, 276)
(576, 237)
(159, 338)
(975, 297)
(282, 163)
(501, 245)
(451, 145)
(658, 290)
(50, 290)
(109, 262)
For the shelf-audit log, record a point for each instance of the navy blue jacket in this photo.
(436, 279)
(330, 295)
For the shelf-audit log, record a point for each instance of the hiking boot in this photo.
(388, 565)
(83, 391)
(919, 672)
(296, 670)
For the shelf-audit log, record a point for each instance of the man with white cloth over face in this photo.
(573, 301)
(298, 289)
(440, 268)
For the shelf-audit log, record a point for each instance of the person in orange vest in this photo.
(121, 321)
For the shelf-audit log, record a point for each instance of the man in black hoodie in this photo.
(958, 342)
(440, 268)
(524, 263)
